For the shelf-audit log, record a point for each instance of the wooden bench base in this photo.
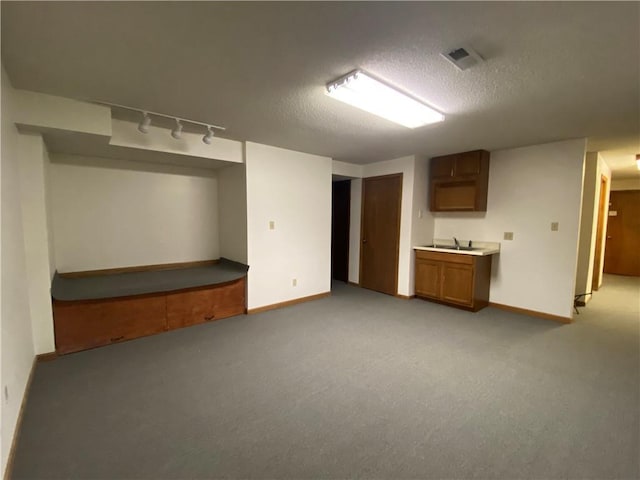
(83, 324)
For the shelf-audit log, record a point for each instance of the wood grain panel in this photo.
(445, 257)
(442, 167)
(205, 304)
(457, 283)
(468, 163)
(428, 275)
(88, 324)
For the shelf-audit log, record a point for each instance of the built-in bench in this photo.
(92, 309)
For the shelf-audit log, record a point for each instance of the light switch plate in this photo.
(554, 226)
(272, 225)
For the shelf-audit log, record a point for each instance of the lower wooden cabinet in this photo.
(205, 304)
(456, 279)
(83, 324)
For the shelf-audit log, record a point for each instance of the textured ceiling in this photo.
(553, 70)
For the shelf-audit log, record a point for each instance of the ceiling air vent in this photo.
(462, 58)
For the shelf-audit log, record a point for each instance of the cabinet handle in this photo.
(207, 319)
(115, 339)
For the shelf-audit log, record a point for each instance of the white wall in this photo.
(293, 190)
(346, 169)
(625, 184)
(113, 213)
(51, 112)
(422, 220)
(354, 230)
(16, 344)
(232, 212)
(33, 175)
(529, 188)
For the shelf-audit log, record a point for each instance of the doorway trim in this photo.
(597, 258)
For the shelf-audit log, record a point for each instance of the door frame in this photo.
(362, 218)
(596, 278)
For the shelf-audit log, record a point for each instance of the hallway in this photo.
(615, 305)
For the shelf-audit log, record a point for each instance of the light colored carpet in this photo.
(358, 385)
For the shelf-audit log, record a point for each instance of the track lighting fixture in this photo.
(177, 131)
(208, 138)
(143, 126)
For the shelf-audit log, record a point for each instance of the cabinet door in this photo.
(442, 166)
(205, 304)
(467, 164)
(428, 275)
(451, 196)
(457, 283)
(86, 324)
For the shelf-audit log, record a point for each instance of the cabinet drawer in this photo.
(203, 305)
(445, 257)
(83, 325)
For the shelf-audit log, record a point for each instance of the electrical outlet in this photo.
(294, 282)
(272, 225)
(554, 226)
(508, 235)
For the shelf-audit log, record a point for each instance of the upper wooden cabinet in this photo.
(459, 182)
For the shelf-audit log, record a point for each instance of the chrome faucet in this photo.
(455, 240)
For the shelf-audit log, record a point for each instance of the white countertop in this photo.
(448, 246)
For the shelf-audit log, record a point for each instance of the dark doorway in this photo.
(340, 214)
(380, 234)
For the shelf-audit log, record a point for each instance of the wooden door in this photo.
(597, 261)
(428, 274)
(457, 283)
(622, 248)
(380, 233)
(340, 213)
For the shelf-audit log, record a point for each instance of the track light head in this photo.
(143, 126)
(208, 138)
(177, 131)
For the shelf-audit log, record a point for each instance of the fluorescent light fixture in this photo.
(362, 91)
